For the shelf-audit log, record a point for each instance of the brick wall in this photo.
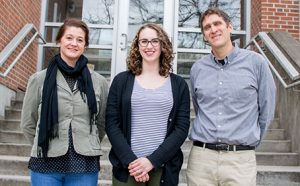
(275, 15)
(14, 14)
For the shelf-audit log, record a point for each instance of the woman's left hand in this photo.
(140, 167)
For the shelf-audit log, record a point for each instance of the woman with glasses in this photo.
(147, 115)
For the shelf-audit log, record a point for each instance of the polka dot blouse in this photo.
(71, 162)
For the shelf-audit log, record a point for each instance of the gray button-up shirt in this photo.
(235, 102)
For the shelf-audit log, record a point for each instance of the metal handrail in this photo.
(279, 56)
(14, 43)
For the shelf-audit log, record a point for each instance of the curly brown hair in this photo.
(134, 60)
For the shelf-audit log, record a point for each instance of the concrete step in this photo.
(11, 113)
(16, 104)
(12, 137)
(16, 167)
(278, 175)
(13, 165)
(15, 149)
(10, 124)
(14, 180)
(275, 124)
(20, 96)
(277, 158)
(275, 134)
(275, 146)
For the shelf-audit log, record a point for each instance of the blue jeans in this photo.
(64, 179)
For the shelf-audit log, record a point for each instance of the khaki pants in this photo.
(221, 168)
(153, 181)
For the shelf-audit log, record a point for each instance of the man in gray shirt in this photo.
(233, 94)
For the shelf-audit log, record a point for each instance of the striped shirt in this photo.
(150, 112)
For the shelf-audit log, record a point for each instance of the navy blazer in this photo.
(168, 155)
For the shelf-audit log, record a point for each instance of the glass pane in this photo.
(101, 36)
(190, 11)
(191, 40)
(97, 36)
(59, 10)
(185, 62)
(142, 12)
(98, 12)
(91, 11)
(50, 34)
(100, 59)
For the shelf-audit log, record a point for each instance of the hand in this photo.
(142, 179)
(140, 168)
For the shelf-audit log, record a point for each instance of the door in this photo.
(131, 14)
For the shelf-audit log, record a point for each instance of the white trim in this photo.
(39, 63)
(169, 12)
(121, 27)
(58, 24)
(175, 36)
(193, 50)
(247, 20)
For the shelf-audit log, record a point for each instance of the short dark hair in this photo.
(211, 11)
(72, 22)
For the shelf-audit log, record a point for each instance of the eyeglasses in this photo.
(144, 42)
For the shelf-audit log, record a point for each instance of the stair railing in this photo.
(267, 42)
(15, 42)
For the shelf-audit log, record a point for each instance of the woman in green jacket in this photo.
(63, 114)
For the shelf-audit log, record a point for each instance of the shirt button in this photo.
(220, 82)
(220, 98)
(219, 126)
(221, 69)
(220, 113)
(162, 181)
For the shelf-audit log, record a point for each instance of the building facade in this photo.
(113, 24)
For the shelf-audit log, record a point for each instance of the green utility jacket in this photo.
(72, 110)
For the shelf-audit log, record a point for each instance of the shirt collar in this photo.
(229, 58)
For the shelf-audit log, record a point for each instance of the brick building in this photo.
(113, 26)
